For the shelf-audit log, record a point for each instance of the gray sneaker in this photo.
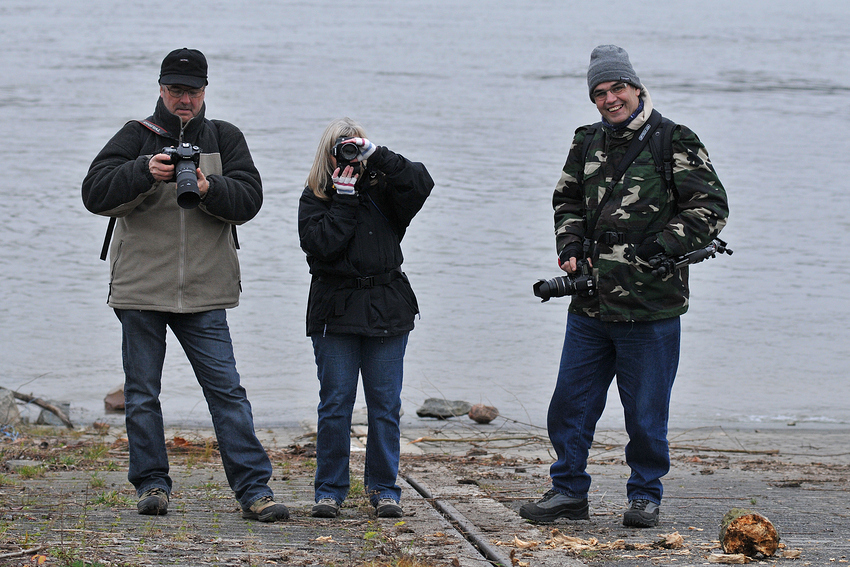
(265, 509)
(555, 505)
(153, 502)
(325, 508)
(388, 508)
(641, 514)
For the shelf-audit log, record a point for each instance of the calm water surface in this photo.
(487, 95)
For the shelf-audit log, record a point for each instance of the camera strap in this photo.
(638, 143)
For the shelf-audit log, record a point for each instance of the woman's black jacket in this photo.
(353, 246)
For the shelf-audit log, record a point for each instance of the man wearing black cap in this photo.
(177, 267)
(615, 209)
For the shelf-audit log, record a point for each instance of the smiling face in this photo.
(616, 101)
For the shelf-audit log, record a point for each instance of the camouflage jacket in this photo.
(684, 218)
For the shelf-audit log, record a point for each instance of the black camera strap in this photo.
(639, 142)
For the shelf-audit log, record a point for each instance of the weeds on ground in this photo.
(391, 552)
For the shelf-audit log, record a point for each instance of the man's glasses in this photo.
(616, 90)
(177, 92)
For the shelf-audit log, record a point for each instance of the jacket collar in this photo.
(172, 123)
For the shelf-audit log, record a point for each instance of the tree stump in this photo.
(744, 531)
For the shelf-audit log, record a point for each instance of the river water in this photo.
(487, 95)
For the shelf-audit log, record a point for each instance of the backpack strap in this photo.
(661, 146)
(589, 134)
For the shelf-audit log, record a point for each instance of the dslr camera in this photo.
(185, 158)
(581, 283)
(346, 152)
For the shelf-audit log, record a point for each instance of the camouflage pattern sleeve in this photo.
(702, 205)
(568, 199)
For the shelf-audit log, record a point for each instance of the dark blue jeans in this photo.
(644, 356)
(380, 360)
(205, 338)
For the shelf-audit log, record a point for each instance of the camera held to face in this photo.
(346, 153)
(581, 283)
(186, 159)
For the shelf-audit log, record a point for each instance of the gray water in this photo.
(487, 95)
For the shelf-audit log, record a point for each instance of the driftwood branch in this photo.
(22, 552)
(48, 406)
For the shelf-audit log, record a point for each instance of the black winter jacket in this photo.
(349, 238)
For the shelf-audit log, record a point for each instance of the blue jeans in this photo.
(644, 356)
(205, 338)
(380, 360)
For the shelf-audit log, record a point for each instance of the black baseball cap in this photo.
(184, 67)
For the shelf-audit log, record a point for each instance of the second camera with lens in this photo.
(579, 283)
(186, 158)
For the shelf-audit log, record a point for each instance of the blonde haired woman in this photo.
(353, 213)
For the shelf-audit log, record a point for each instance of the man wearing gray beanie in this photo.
(635, 189)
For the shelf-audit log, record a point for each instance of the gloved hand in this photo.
(344, 182)
(572, 250)
(649, 248)
(367, 148)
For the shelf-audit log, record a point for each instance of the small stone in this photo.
(483, 414)
(114, 400)
(9, 414)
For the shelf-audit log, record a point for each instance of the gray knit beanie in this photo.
(610, 63)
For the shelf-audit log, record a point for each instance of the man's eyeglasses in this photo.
(616, 90)
(177, 92)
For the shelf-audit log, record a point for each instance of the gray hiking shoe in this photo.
(325, 508)
(641, 514)
(388, 508)
(265, 509)
(555, 505)
(153, 502)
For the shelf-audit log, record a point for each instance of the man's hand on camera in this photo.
(203, 184)
(367, 148)
(568, 258)
(344, 183)
(161, 167)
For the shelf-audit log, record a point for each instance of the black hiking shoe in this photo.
(153, 502)
(555, 505)
(641, 514)
(325, 508)
(388, 508)
(265, 509)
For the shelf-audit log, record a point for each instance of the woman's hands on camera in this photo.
(367, 148)
(344, 182)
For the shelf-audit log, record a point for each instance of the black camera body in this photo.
(580, 283)
(346, 153)
(185, 158)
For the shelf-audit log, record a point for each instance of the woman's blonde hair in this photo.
(320, 173)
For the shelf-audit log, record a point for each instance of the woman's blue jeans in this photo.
(380, 361)
(205, 338)
(644, 356)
